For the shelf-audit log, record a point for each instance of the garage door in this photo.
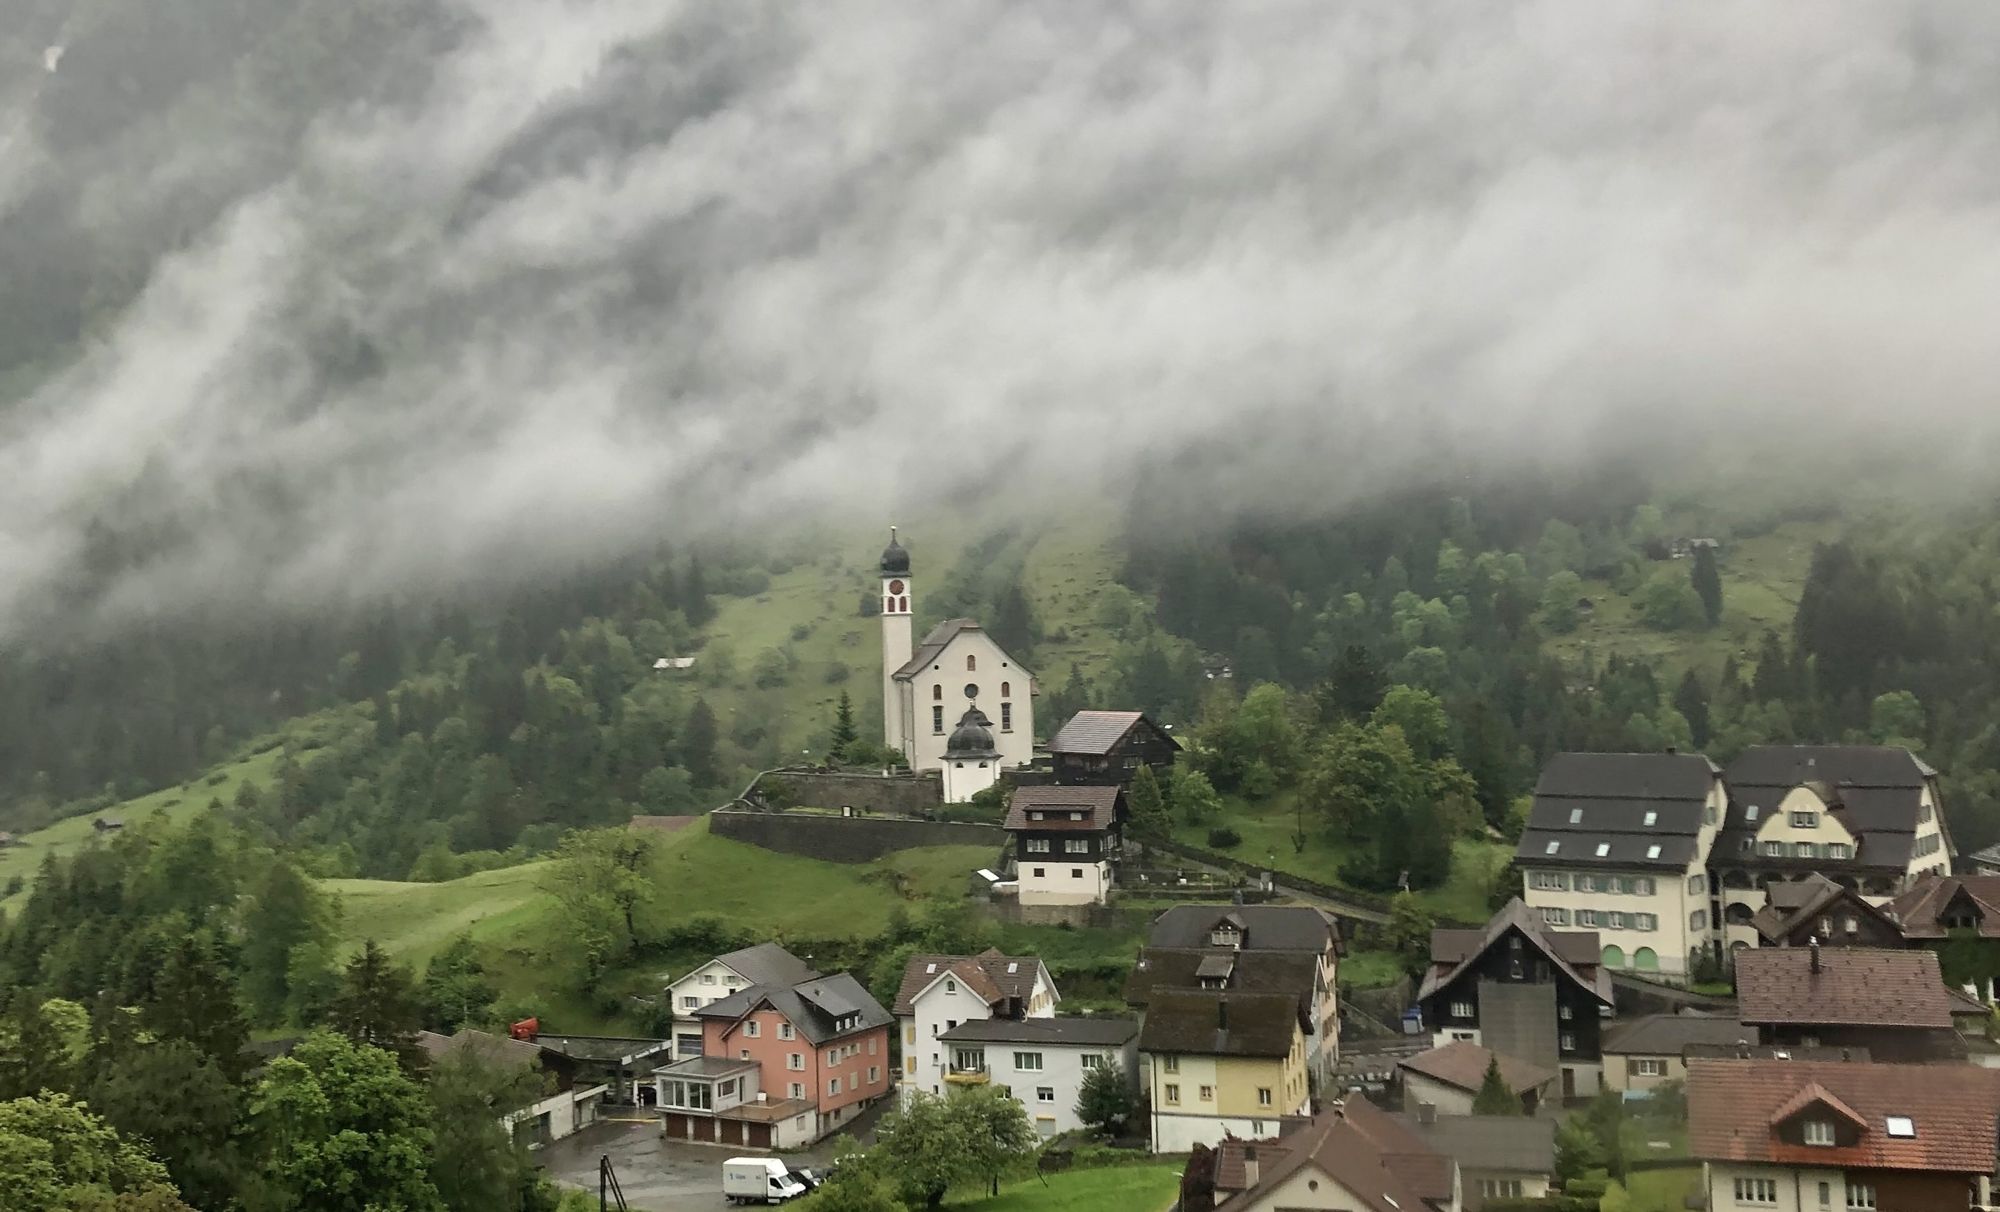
(732, 1132)
(760, 1136)
(704, 1128)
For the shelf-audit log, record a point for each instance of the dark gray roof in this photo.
(1265, 927)
(1788, 766)
(767, 964)
(1200, 1023)
(1087, 1032)
(1623, 815)
(813, 1007)
(1619, 850)
(1645, 776)
(972, 738)
(708, 1066)
(1248, 971)
(895, 558)
(1512, 1143)
(1452, 951)
(1670, 1034)
(1096, 732)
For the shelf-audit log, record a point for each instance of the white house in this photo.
(941, 992)
(1042, 1061)
(1067, 843)
(958, 666)
(763, 964)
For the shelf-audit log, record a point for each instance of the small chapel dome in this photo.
(973, 738)
(894, 558)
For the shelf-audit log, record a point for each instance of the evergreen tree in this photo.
(196, 1002)
(698, 745)
(1353, 688)
(377, 1004)
(1772, 682)
(844, 734)
(1104, 1100)
(1707, 582)
(694, 595)
(1014, 626)
(1691, 700)
(1409, 932)
(456, 991)
(1148, 805)
(1494, 1098)
(285, 912)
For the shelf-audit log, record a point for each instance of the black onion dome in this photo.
(973, 737)
(894, 558)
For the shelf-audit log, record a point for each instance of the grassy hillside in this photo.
(1120, 1189)
(1761, 580)
(66, 836)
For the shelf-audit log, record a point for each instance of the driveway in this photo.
(659, 1175)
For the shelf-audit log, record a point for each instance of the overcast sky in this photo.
(628, 269)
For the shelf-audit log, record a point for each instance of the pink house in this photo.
(780, 1066)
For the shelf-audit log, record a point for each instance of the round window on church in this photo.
(895, 587)
(972, 690)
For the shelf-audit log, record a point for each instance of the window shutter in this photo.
(1631, 1067)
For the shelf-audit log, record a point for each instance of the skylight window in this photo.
(1652, 852)
(1553, 847)
(1652, 818)
(1576, 816)
(1603, 848)
(1750, 813)
(1901, 1125)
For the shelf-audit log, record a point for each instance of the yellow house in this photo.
(1223, 1064)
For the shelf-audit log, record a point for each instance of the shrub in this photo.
(1222, 837)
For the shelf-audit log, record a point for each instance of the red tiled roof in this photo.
(1919, 909)
(1855, 986)
(1732, 1105)
(1808, 1095)
(985, 974)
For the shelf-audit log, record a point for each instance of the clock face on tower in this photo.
(895, 587)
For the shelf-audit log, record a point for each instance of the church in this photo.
(956, 703)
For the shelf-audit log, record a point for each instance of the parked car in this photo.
(759, 1180)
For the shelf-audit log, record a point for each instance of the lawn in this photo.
(1117, 1189)
(1267, 828)
(413, 921)
(1370, 969)
(1653, 1191)
(66, 837)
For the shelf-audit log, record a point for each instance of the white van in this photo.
(759, 1180)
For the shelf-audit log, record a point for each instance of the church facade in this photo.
(930, 689)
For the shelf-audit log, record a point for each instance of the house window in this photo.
(1555, 917)
(1038, 845)
(1805, 850)
(1646, 1067)
(1756, 1190)
(1617, 884)
(1092, 1060)
(1028, 1061)
(937, 721)
(1040, 872)
(1750, 813)
(874, 1074)
(1551, 881)
(937, 692)
(1860, 1195)
(1500, 1188)
(1644, 886)
(1566, 1042)
(1775, 849)
(796, 1062)
(1553, 847)
(1461, 1009)
(708, 978)
(1208, 1094)
(950, 986)
(1170, 1064)
(1045, 1094)
(1697, 884)
(1076, 845)
(1076, 873)
(1617, 921)
(690, 1002)
(1172, 1094)
(832, 1085)
(1819, 1132)
(1698, 920)
(1589, 883)
(1565, 1013)
(744, 1054)
(1836, 850)
(1006, 717)
(1006, 688)
(969, 1060)
(971, 662)
(751, 1028)
(1805, 820)
(1263, 1096)
(1603, 848)
(1645, 921)
(1589, 917)
(1467, 1036)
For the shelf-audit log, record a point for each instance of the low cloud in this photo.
(621, 271)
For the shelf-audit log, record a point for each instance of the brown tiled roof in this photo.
(1921, 907)
(1813, 1093)
(1192, 1022)
(1452, 950)
(989, 974)
(1670, 1034)
(1463, 1065)
(1855, 986)
(1732, 1105)
(1093, 732)
(1250, 972)
(1384, 1164)
(1099, 805)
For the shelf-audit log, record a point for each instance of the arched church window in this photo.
(971, 662)
(903, 604)
(937, 692)
(1006, 688)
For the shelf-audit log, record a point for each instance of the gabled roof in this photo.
(1671, 1034)
(1096, 733)
(767, 964)
(1462, 1065)
(1265, 927)
(1787, 766)
(1597, 849)
(1732, 1105)
(813, 1007)
(1627, 776)
(1855, 986)
(990, 975)
(1091, 1031)
(1812, 1094)
(1377, 1158)
(1196, 1022)
(1517, 1143)
(1249, 971)
(1874, 791)
(494, 1051)
(1099, 806)
(1450, 952)
(1642, 810)
(939, 639)
(1796, 903)
(1922, 908)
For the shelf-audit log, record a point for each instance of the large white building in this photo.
(1043, 1062)
(940, 992)
(928, 688)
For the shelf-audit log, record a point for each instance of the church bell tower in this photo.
(896, 641)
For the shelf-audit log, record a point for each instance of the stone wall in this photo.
(903, 794)
(840, 839)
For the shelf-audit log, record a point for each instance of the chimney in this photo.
(1222, 1014)
(1249, 1166)
(1427, 1113)
(1812, 944)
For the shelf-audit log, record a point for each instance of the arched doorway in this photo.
(1645, 960)
(1614, 956)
